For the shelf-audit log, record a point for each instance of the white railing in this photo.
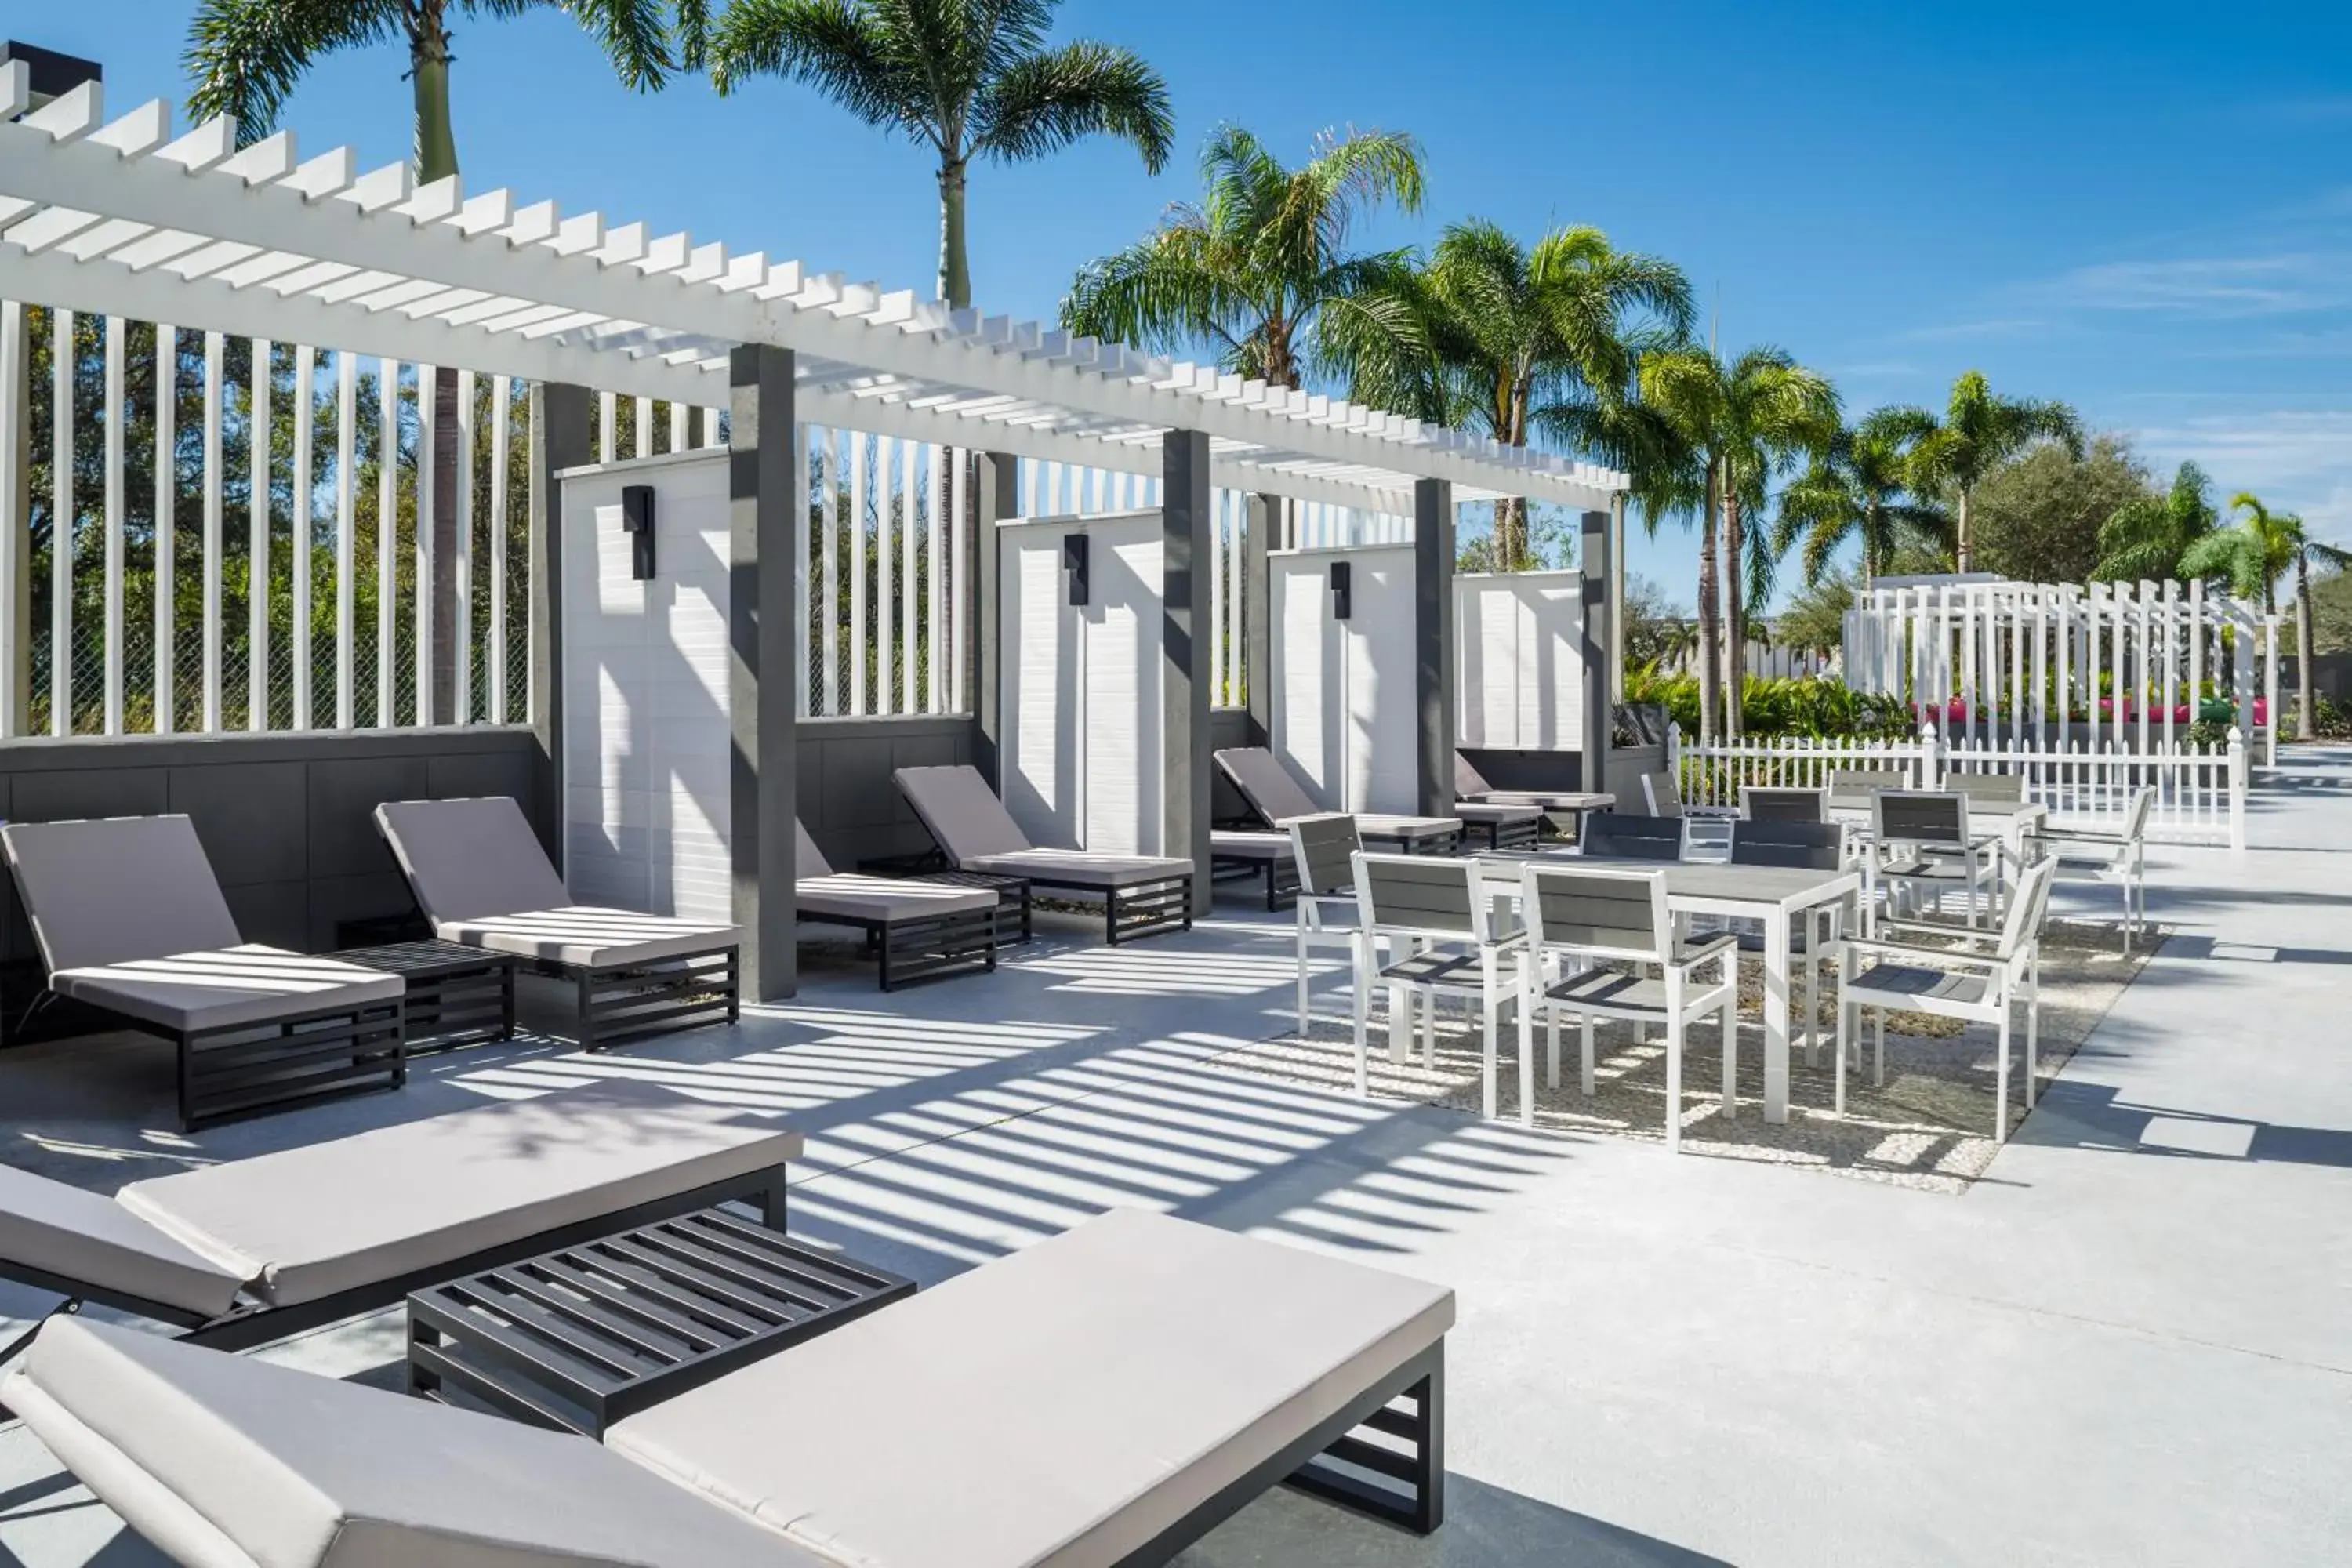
(2201, 790)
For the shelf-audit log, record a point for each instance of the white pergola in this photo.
(122, 218)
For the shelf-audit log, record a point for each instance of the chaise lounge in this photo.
(482, 881)
(1099, 1400)
(1141, 894)
(252, 1250)
(1278, 799)
(131, 920)
(918, 930)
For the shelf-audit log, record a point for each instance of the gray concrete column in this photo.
(562, 428)
(1187, 511)
(1598, 560)
(996, 496)
(1257, 617)
(1432, 584)
(763, 585)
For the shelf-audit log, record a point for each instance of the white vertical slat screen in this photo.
(461, 670)
(428, 502)
(167, 525)
(15, 556)
(347, 529)
(257, 542)
(216, 367)
(502, 408)
(116, 329)
(62, 355)
(387, 528)
(306, 513)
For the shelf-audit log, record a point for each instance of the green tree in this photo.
(1737, 426)
(1263, 266)
(1514, 341)
(970, 79)
(1860, 488)
(1814, 619)
(1980, 431)
(2254, 552)
(2143, 539)
(246, 58)
(2039, 516)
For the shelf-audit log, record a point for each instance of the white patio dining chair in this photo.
(1922, 846)
(1707, 829)
(1323, 848)
(1580, 917)
(2101, 855)
(1978, 980)
(1445, 939)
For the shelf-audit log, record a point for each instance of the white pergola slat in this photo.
(118, 217)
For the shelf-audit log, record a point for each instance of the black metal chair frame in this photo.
(241, 1070)
(1013, 899)
(622, 1002)
(1145, 908)
(1279, 873)
(1501, 835)
(925, 947)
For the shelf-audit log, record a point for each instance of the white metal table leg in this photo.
(1776, 1015)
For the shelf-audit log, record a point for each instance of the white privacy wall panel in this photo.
(646, 736)
(1344, 711)
(1519, 663)
(1084, 766)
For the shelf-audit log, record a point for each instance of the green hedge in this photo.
(1814, 706)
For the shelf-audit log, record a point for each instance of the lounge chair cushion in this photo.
(1496, 812)
(1373, 825)
(961, 812)
(1249, 843)
(1063, 1405)
(467, 858)
(90, 1239)
(228, 988)
(117, 890)
(1266, 784)
(585, 937)
(1077, 869)
(886, 900)
(226, 1461)
(808, 860)
(308, 1222)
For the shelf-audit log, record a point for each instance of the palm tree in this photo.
(968, 79)
(1261, 268)
(2254, 552)
(1746, 424)
(1860, 488)
(1980, 432)
(2145, 540)
(247, 56)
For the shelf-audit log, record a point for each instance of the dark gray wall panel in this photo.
(470, 775)
(275, 913)
(846, 799)
(241, 810)
(68, 795)
(344, 793)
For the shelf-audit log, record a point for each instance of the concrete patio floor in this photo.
(2128, 1344)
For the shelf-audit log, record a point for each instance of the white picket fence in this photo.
(2201, 792)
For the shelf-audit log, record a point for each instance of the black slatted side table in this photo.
(458, 995)
(583, 1337)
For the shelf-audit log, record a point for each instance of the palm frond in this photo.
(1044, 101)
(245, 56)
(842, 48)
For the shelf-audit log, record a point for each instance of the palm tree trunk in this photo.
(2303, 658)
(1710, 672)
(955, 265)
(1735, 617)
(1960, 554)
(437, 158)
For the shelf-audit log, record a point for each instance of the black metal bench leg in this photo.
(1413, 1495)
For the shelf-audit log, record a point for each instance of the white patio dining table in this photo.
(1775, 895)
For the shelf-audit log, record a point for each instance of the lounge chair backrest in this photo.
(218, 1458)
(1325, 848)
(1604, 913)
(117, 890)
(1468, 781)
(1767, 803)
(808, 860)
(1663, 794)
(2027, 904)
(1937, 818)
(1266, 784)
(2003, 789)
(1866, 782)
(86, 1242)
(1627, 835)
(1814, 846)
(469, 859)
(963, 815)
(1422, 894)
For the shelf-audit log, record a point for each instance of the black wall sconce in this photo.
(637, 520)
(1074, 566)
(1343, 599)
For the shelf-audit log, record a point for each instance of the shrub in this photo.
(1814, 706)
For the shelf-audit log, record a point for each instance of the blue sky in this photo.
(2145, 210)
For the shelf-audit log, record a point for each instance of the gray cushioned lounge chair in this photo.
(919, 930)
(130, 918)
(1104, 1397)
(251, 1250)
(1279, 800)
(482, 881)
(1257, 853)
(1141, 894)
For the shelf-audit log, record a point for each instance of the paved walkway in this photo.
(2128, 1344)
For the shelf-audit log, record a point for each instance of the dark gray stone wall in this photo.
(846, 799)
(284, 818)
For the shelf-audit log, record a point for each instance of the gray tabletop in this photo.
(1791, 885)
